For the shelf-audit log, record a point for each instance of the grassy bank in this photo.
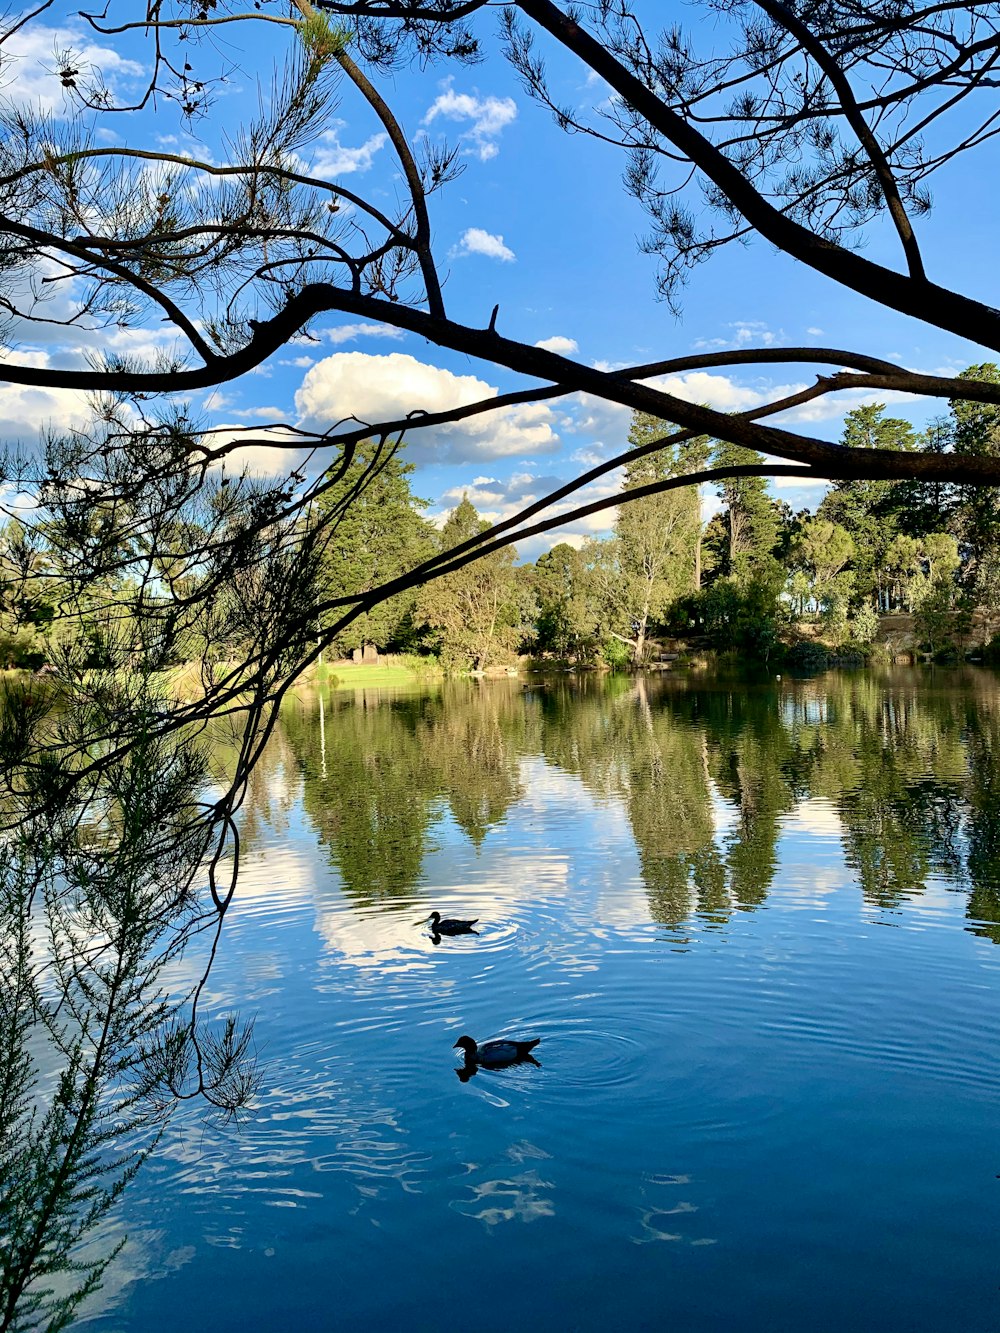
(389, 671)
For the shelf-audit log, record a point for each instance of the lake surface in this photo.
(756, 927)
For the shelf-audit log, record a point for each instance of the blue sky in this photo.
(539, 224)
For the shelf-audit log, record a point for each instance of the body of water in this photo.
(756, 929)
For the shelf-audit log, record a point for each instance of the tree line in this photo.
(872, 547)
(734, 583)
(667, 749)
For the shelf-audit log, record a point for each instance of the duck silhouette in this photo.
(499, 1054)
(451, 925)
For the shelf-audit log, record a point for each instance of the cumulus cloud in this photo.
(797, 483)
(475, 241)
(609, 422)
(268, 452)
(384, 388)
(833, 406)
(489, 116)
(560, 345)
(334, 159)
(27, 413)
(34, 55)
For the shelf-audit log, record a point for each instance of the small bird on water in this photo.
(497, 1054)
(451, 925)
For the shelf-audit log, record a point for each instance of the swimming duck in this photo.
(497, 1054)
(451, 925)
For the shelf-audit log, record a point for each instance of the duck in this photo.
(497, 1054)
(451, 925)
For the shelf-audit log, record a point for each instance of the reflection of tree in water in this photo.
(390, 764)
(751, 770)
(474, 752)
(984, 821)
(909, 771)
(623, 745)
(666, 790)
(365, 787)
(899, 807)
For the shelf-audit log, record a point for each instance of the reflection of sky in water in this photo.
(733, 1112)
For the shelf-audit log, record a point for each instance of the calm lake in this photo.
(755, 925)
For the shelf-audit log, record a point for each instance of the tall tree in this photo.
(376, 534)
(975, 430)
(873, 512)
(653, 557)
(563, 584)
(477, 614)
(751, 516)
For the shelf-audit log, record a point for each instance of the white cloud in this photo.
(475, 241)
(27, 412)
(496, 500)
(261, 457)
(833, 406)
(609, 422)
(745, 333)
(489, 117)
(263, 413)
(333, 159)
(383, 388)
(33, 58)
(560, 345)
(347, 333)
(814, 333)
(797, 483)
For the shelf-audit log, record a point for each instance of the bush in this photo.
(808, 656)
(864, 624)
(733, 617)
(616, 654)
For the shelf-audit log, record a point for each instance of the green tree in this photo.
(975, 429)
(654, 555)
(823, 549)
(871, 511)
(751, 519)
(903, 564)
(374, 531)
(563, 585)
(477, 615)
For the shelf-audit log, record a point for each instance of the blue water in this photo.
(768, 1093)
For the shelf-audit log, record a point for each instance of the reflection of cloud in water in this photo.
(517, 1199)
(725, 814)
(328, 1125)
(815, 817)
(807, 886)
(657, 1219)
(604, 825)
(378, 939)
(139, 1261)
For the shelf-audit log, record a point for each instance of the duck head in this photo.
(468, 1046)
(434, 918)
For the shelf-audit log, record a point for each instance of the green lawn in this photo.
(349, 676)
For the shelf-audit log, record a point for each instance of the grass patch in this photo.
(393, 671)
